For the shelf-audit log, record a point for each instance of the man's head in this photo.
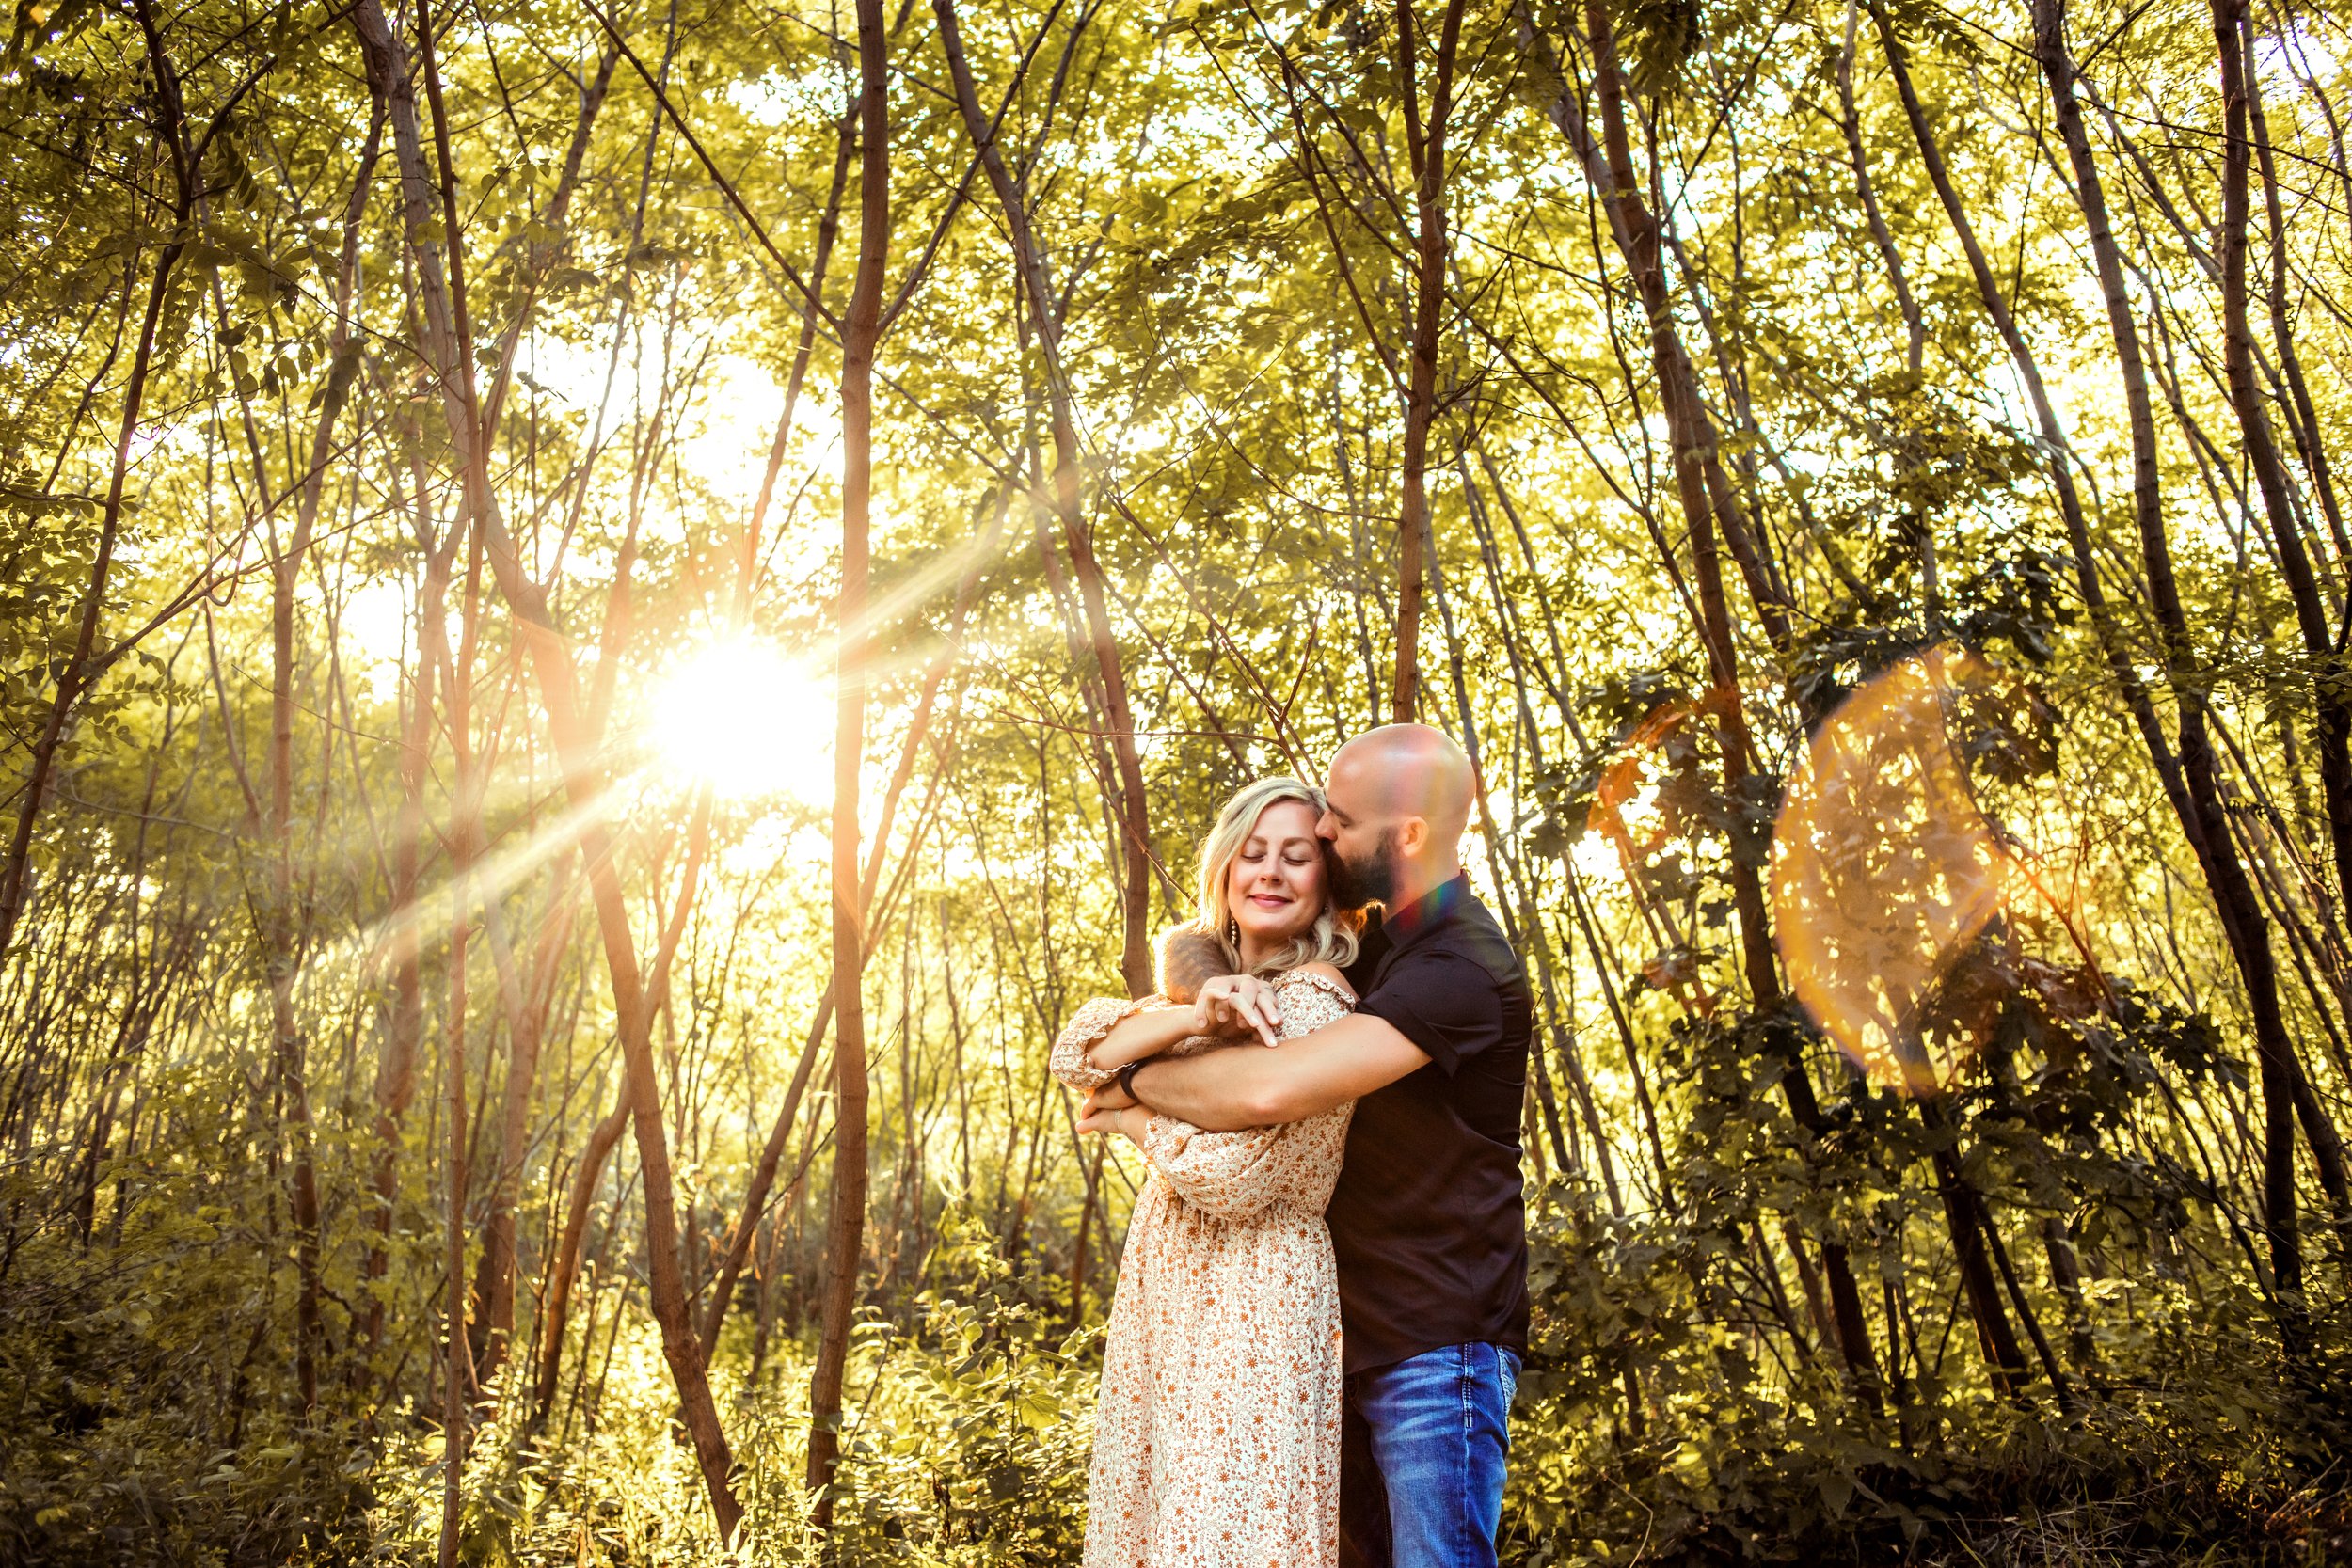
(1397, 803)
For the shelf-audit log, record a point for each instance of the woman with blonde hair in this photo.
(1216, 1437)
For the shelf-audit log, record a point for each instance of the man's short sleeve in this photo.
(1443, 1002)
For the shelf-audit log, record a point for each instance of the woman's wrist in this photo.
(1138, 1035)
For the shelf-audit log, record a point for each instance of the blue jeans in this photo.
(1421, 1459)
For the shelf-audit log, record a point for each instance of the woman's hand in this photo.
(1237, 1005)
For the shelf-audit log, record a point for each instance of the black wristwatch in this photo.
(1127, 1079)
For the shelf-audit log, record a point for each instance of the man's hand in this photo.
(1126, 1118)
(1109, 1097)
(1238, 1006)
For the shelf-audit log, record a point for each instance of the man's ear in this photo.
(1412, 837)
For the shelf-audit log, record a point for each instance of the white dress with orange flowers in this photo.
(1217, 1438)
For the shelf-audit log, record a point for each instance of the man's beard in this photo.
(1370, 881)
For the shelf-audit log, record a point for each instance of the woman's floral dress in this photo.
(1216, 1439)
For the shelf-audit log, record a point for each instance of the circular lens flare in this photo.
(741, 717)
(1884, 869)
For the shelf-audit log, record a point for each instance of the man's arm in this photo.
(1225, 1091)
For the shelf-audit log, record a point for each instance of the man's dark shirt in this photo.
(1428, 1219)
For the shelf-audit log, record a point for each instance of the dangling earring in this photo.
(1233, 933)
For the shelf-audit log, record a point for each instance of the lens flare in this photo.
(1884, 868)
(741, 717)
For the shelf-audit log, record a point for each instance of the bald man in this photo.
(1427, 1220)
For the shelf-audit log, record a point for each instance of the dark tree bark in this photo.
(2332, 740)
(1609, 165)
(2191, 781)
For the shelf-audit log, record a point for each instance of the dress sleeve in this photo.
(1235, 1176)
(1086, 1028)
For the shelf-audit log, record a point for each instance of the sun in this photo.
(743, 717)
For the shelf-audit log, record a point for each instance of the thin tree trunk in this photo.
(2303, 419)
(763, 1179)
(1426, 148)
(281, 938)
(1965, 1219)
(526, 1028)
(566, 1269)
(845, 1227)
(396, 1070)
(494, 1278)
(2333, 739)
(1609, 164)
(458, 1381)
(2191, 784)
(1135, 963)
(448, 336)
(76, 674)
(1849, 120)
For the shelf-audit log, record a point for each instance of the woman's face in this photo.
(1275, 888)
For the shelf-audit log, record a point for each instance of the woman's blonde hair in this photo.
(1330, 940)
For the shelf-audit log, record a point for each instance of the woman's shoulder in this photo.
(1317, 975)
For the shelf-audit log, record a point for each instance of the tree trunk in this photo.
(2333, 717)
(763, 1179)
(1135, 963)
(2191, 784)
(1850, 122)
(1609, 164)
(845, 1227)
(76, 673)
(281, 936)
(566, 1269)
(1965, 1219)
(448, 336)
(457, 1380)
(1426, 148)
(526, 1029)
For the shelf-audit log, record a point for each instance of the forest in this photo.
(611, 611)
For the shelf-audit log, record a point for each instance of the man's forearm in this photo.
(1189, 960)
(1220, 1091)
(1248, 1085)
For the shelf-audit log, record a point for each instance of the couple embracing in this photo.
(1322, 1305)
